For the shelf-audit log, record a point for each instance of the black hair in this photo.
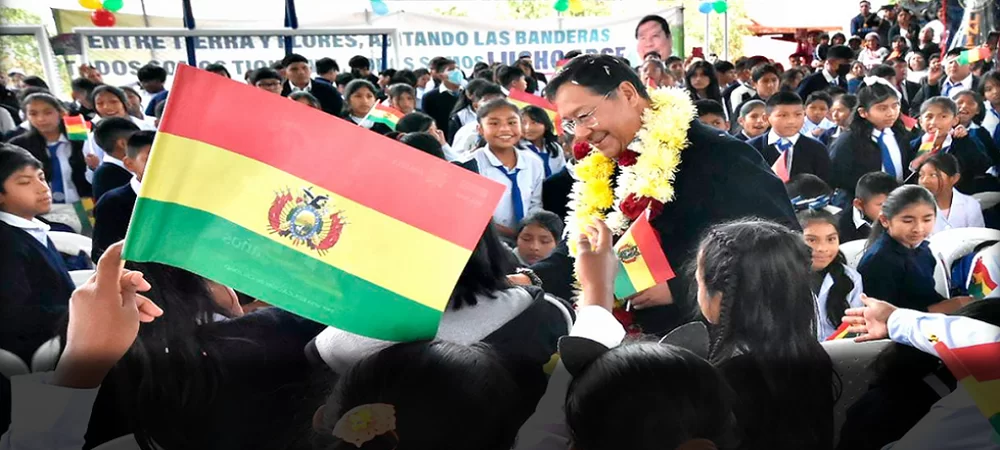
(465, 98)
(994, 76)
(741, 63)
(807, 185)
(572, 54)
(686, 398)
(265, 73)
(836, 300)
(957, 51)
(899, 199)
(819, 96)
(485, 74)
(601, 74)
(840, 51)
(850, 101)
(388, 73)
(325, 65)
(836, 36)
(35, 81)
(762, 70)
(159, 109)
(783, 98)
(941, 102)
(152, 72)
(978, 100)
(358, 62)
(545, 219)
(869, 96)
(835, 91)
(488, 90)
(46, 97)
(712, 92)
(218, 69)
(438, 65)
(486, 271)
(108, 88)
(751, 105)
(481, 65)
(24, 93)
(343, 78)
(495, 105)
(539, 115)
(771, 326)
(419, 72)
(427, 381)
(705, 107)
(398, 89)
(873, 184)
(787, 79)
(129, 90)
(13, 159)
(353, 87)
(723, 66)
(508, 74)
(404, 76)
(424, 142)
(414, 122)
(278, 65)
(109, 131)
(883, 71)
(313, 101)
(653, 18)
(138, 141)
(293, 58)
(945, 162)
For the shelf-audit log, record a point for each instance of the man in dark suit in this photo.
(719, 178)
(835, 70)
(865, 22)
(906, 88)
(112, 135)
(439, 103)
(959, 78)
(300, 79)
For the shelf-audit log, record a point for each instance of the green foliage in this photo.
(22, 51)
(540, 9)
(452, 11)
(694, 27)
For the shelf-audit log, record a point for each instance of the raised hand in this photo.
(871, 320)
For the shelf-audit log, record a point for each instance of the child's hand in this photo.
(935, 73)
(817, 132)
(959, 132)
(92, 161)
(104, 316)
(596, 265)
(870, 320)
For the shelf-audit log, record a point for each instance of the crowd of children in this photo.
(213, 368)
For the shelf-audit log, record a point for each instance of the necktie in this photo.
(887, 164)
(56, 181)
(545, 159)
(515, 193)
(996, 131)
(784, 145)
(947, 88)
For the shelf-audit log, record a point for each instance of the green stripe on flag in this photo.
(623, 284)
(220, 250)
(384, 121)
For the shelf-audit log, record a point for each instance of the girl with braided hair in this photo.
(753, 287)
(835, 284)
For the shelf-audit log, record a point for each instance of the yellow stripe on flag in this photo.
(373, 246)
(985, 393)
(637, 270)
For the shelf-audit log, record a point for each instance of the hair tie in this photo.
(366, 422)
(873, 80)
(812, 204)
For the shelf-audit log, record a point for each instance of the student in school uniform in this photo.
(939, 115)
(438, 103)
(361, 97)
(112, 134)
(36, 283)
(898, 265)
(402, 97)
(836, 285)
(511, 78)
(939, 174)
(990, 90)
(712, 113)
(766, 82)
(110, 102)
(152, 78)
(521, 172)
(855, 222)
(834, 72)
(539, 136)
(876, 140)
(818, 106)
(467, 139)
(802, 154)
(752, 120)
(744, 90)
(971, 115)
(300, 79)
(946, 78)
(418, 122)
(841, 111)
(113, 212)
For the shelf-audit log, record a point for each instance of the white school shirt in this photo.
(991, 121)
(953, 89)
(529, 178)
(808, 126)
(91, 148)
(36, 228)
(63, 153)
(467, 116)
(736, 97)
(965, 212)
(773, 138)
(894, 153)
(556, 163)
(465, 139)
(824, 328)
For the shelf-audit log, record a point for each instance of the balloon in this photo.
(113, 5)
(576, 6)
(379, 7)
(102, 18)
(561, 5)
(91, 4)
(705, 8)
(720, 6)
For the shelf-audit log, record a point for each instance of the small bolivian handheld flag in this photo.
(908, 122)
(972, 55)
(522, 99)
(840, 332)
(85, 212)
(641, 262)
(982, 283)
(76, 128)
(976, 369)
(561, 64)
(308, 213)
(926, 143)
(780, 167)
(385, 115)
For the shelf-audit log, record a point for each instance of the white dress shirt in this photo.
(466, 139)
(69, 189)
(36, 228)
(894, 152)
(951, 90)
(136, 185)
(530, 176)
(736, 97)
(773, 138)
(824, 328)
(809, 126)
(91, 148)
(991, 120)
(965, 212)
(467, 116)
(294, 88)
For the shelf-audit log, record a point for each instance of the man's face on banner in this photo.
(652, 38)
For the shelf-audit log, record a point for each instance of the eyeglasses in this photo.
(588, 120)
(269, 84)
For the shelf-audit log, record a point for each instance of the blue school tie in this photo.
(545, 159)
(948, 87)
(887, 164)
(58, 189)
(515, 192)
(784, 145)
(996, 131)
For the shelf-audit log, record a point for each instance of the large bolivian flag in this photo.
(306, 211)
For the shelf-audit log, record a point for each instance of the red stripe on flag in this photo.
(952, 361)
(390, 110)
(651, 250)
(335, 154)
(840, 332)
(981, 361)
(531, 99)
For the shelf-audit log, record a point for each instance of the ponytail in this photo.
(898, 200)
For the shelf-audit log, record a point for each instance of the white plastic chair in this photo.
(71, 243)
(852, 361)
(853, 251)
(987, 200)
(990, 257)
(47, 355)
(11, 364)
(80, 276)
(950, 245)
(126, 442)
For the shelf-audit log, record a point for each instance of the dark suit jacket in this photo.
(808, 156)
(986, 141)
(555, 192)
(928, 90)
(853, 156)
(438, 105)
(909, 91)
(817, 82)
(107, 177)
(973, 162)
(111, 218)
(328, 96)
(848, 231)
(719, 180)
(35, 144)
(912, 41)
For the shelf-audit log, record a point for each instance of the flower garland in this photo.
(647, 169)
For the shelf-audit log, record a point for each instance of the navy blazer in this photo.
(817, 82)
(899, 275)
(853, 156)
(808, 155)
(848, 231)
(927, 91)
(35, 144)
(972, 162)
(329, 98)
(986, 142)
(109, 176)
(438, 105)
(112, 215)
